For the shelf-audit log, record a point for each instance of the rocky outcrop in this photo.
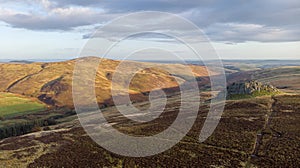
(250, 87)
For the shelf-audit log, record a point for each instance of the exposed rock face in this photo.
(248, 88)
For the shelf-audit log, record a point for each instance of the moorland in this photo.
(39, 126)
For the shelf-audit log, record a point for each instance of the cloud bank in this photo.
(226, 21)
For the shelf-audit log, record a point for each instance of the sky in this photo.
(237, 29)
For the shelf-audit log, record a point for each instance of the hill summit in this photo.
(52, 83)
(251, 88)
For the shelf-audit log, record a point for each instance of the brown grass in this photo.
(52, 82)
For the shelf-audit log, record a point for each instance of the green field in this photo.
(11, 105)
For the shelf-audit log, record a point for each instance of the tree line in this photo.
(25, 127)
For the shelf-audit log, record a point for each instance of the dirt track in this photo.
(263, 132)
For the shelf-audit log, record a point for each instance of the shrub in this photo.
(36, 129)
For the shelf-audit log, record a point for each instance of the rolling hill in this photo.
(52, 82)
(253, 132)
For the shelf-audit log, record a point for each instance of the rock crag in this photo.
(250, 88)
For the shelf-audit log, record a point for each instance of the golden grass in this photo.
(31, 78)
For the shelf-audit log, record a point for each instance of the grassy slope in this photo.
(13, 105)
(29, 79)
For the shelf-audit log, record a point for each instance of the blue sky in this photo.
(238, 29)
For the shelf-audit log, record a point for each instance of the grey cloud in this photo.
(276, 20)
(204, 12)
(158, 27)
(238, 33)
(137, 5)
(225, 32)
(267, 12)
(39, 23)
(55, 19)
